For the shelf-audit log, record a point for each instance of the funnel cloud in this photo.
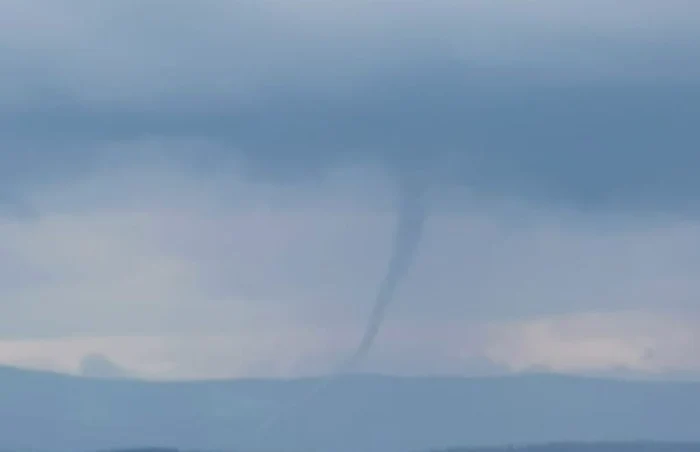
(409, 230)
(411, 216)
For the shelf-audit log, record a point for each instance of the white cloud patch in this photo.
(172, 273)
(653, 343)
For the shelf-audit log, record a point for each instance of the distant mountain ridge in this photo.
(53, 412)
(633, 446)
(637, 446)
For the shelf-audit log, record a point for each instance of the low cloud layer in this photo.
(630, 344)
(175, 275)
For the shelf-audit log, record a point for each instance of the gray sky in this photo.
(205, 189)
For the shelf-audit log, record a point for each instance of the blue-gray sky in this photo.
(205, 188)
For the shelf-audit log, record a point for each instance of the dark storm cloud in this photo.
(586, 106)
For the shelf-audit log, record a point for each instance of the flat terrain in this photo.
(44, 411)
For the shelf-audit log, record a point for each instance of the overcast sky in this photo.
(207, 189)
